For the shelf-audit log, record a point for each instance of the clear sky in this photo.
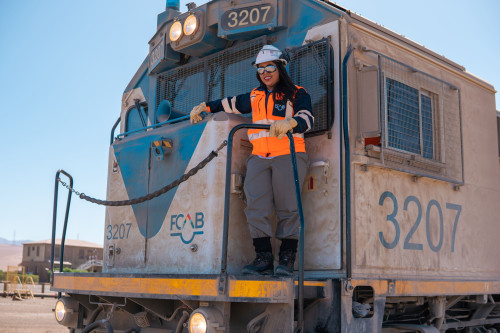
(64, 66)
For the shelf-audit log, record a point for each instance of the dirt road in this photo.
(29, 316)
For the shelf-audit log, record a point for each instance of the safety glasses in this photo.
(267, 69)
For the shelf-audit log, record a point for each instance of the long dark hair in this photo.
(285, 88)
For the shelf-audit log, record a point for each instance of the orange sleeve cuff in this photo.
(208, 109)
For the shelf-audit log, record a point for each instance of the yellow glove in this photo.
(281, 127)
(195, 113)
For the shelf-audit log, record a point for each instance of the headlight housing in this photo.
(66, 311)
(206, 319)
(190, 25)
(175, 31)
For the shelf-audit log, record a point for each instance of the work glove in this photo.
(194, 116)
(281, 127)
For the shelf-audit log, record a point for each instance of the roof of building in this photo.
(67, 242)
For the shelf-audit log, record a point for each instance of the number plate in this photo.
(239, 18)
(157, 54)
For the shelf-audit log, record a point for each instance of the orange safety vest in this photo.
(263, 144)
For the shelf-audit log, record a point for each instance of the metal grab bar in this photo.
(54, 219)
(172, 121)
(227, 198)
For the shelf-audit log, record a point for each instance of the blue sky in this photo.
(64, 66)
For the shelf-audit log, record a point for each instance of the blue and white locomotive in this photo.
(400, 202)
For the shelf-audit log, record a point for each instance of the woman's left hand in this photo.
(281, 127)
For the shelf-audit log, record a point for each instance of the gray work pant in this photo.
(269, 186)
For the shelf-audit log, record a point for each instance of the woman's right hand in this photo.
(195, 113)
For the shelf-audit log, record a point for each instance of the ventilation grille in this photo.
(310, 69)
(230, 72)
(226, 73)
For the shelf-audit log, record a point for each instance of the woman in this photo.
(269, 183)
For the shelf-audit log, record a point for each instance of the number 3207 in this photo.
(409, 244)
(118, 231)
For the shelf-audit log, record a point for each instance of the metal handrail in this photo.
(227, 198)
(153, 126)
(113, 131)
(54, 219)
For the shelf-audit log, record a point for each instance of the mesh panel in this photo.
(422, 122)
(226, 73)
(403, 116)
(230, 72)
(309, 68)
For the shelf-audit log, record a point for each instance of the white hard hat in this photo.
(269, 53)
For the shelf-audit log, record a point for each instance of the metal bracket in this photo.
(391, 287)
(221, 288)
(348, 288)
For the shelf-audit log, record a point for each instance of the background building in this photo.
(77, 254)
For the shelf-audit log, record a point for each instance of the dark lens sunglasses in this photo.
(267, 69)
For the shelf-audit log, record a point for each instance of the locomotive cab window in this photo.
(136, 118)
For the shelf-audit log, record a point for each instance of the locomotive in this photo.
(400, 202)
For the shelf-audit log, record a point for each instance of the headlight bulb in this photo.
(197, 323)
(60, 311)
(175, 31)
(190, 25)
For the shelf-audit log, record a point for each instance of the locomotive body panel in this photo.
(418, 222)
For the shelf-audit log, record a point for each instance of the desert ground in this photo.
(29, 316)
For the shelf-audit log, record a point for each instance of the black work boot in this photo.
(262, 265)
(286, 262)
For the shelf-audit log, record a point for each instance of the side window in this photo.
(136, 118)
(410, 118)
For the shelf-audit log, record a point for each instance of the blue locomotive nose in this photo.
(144, 173)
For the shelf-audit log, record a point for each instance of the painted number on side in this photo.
(434, 243)
(118, 231)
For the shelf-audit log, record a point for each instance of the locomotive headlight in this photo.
(197, 323)
(66, 311)
(206, 319)
(190, 25)
(175, 31)
(60, 311)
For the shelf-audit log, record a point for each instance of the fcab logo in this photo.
(185, 228)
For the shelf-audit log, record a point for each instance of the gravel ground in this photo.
(29, 316)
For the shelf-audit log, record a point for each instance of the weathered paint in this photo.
(429, 288)
(275, 291)
(409, 242)
(194, 216)
(135, 285)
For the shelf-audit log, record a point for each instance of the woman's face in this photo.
(269, 79)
